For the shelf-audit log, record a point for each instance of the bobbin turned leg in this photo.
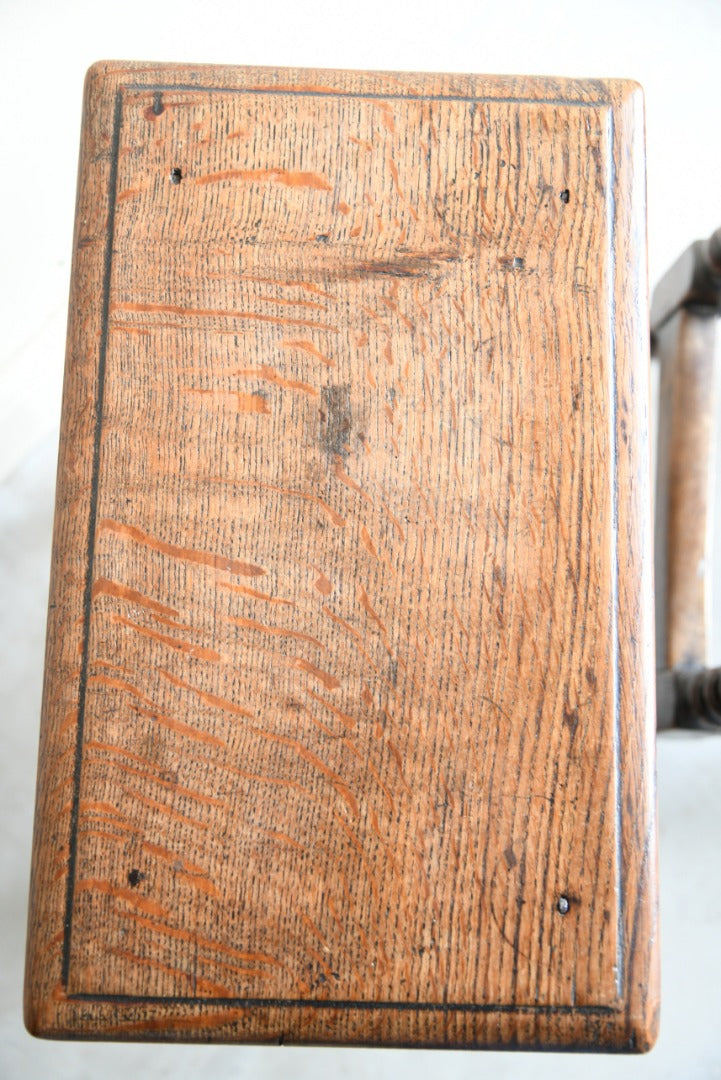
(684, 338)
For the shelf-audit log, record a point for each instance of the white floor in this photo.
(672, 48)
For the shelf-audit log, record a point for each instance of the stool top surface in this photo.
(348, 717)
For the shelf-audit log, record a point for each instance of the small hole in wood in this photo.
(176, 175)
(565, 195)
(134, 878)
(517, 263)
(563, 905)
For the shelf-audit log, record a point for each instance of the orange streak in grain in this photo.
(182, 729)
(367, 146)
(334, 516)
(277, 320)
(197, 651)
(329, 681)
(124, 592)
(387, 115)
(260, 778)
(345, 479)
(106, 817)
(404, 319)
(289, 301)
(211, 988)
(354, 634)
(280, 631)
(199, 882)
(333, 911)
(280, 282)
(57, 788)
(278, 176)
(246, 591)
(337, 783)
(69, 722)
(319, 724)
(101, 834)
(171, 813)
(100, 662)
(92, 744)
(225, 1017)
(307, 921)
(246, 403)
(250, 973)
(309, 347)
(128, 328)
(268, 374)
(283, 838)
(204, 558)
(211, 699)
(206, 943)
(173, 857)
(323, 585)
(127, 194)
(313, 289)
(349, 721)
(395, 521)
(342, 622)
(424, 622)
(396, 179)
(359, 848)
(164, 621)
(367, 542)
(121, 684)
(399, 761)
(150, 907)
(462, 658)
(386, 791)
(377, 830)
(210, 800)
(365, 601)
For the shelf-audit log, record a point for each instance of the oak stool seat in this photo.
(348, 720)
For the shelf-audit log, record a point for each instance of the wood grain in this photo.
(348, 715)
(685, 347)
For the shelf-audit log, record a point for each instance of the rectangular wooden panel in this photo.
(348, 718)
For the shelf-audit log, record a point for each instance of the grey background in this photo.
(672, 48)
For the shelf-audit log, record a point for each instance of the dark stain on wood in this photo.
(336, 420)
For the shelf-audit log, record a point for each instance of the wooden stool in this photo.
(348, 723)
